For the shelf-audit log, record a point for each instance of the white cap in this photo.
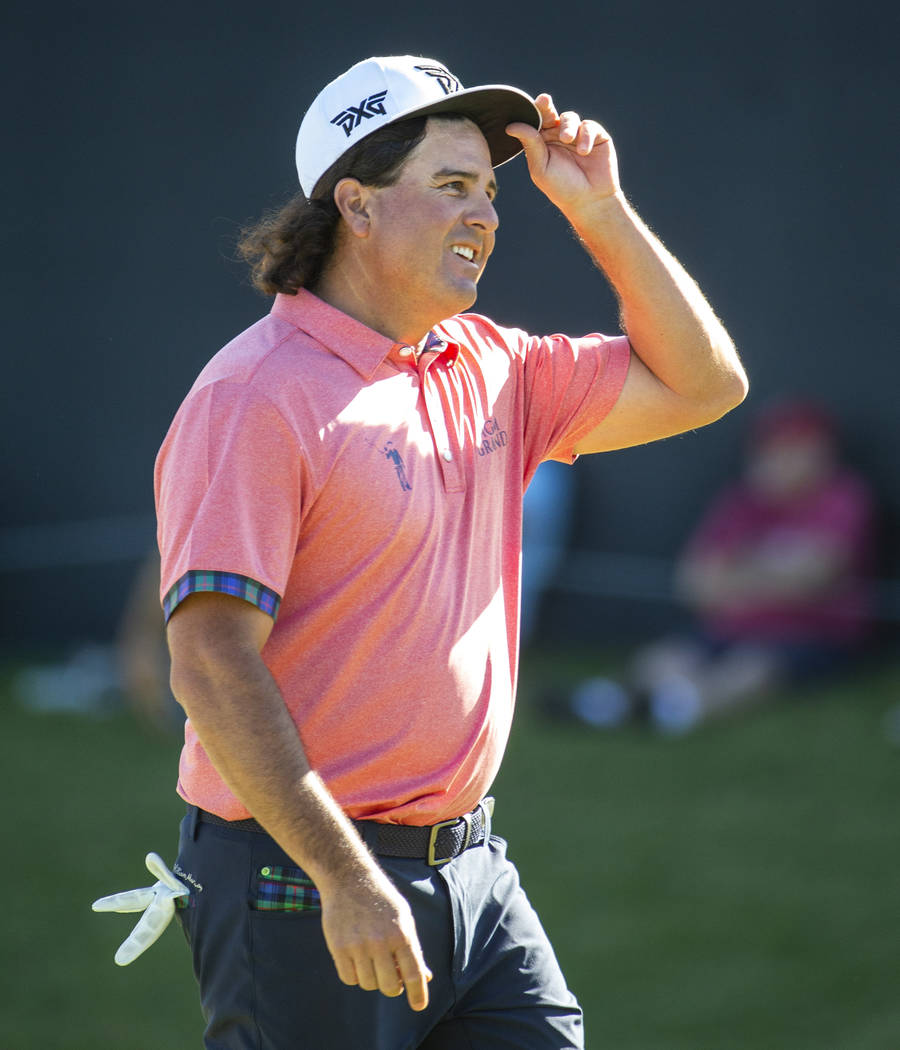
(380, 91)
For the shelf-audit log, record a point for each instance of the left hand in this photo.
(572, 161)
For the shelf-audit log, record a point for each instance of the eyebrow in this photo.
(469, 176)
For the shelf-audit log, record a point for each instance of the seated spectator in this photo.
(776, 576)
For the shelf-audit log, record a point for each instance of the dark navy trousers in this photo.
(267, 981)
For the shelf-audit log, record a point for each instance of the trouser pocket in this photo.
(277, 888)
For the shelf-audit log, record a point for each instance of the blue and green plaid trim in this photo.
(285, 889)
(264, 598)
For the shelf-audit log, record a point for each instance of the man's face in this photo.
(432, 231)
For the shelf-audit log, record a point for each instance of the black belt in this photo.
(436, 843)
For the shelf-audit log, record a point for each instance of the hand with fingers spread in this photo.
(570, 160)
(157, 902)
(371, 934)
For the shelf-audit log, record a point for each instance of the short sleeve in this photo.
(228, 497)
(571, 385)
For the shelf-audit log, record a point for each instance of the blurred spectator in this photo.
(776, 576)
(546, 514)
(143, 655)
(100, 678)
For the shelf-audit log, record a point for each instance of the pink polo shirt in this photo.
(373, 505)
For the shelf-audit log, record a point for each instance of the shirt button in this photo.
(447, 455)
(405, 351)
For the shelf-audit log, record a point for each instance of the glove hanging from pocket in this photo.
(157, 902)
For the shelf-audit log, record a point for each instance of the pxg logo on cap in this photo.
(353, 116)
(373, 106)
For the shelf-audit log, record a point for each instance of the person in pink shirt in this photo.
(777, 577)
(340, 507)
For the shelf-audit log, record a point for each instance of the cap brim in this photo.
(491, 107)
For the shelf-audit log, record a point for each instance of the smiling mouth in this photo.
(469, 254)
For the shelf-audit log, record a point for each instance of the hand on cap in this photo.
(157, 902)
(571, 160)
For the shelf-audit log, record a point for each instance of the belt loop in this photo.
(486, 805)
(193, 814)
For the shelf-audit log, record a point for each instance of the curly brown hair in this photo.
(289, 247)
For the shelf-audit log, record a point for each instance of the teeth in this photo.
(466, 253)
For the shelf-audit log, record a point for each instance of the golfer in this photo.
(339, 501)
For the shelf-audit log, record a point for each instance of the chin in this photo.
(454, 298)
(464, 300)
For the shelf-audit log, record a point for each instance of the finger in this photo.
(415, 976)
(525, 133)
(532, 143)
(157, 866)
(588, 136)
(126, 901)
(367, 979)
(346, 969)
(569, 125)
(387, 973)
(152, 923)
(598, 132)
(547, 110)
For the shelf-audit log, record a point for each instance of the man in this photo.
(339, 504)
(775, 581)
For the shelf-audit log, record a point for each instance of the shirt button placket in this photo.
(437, 422)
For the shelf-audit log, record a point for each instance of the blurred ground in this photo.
(733, 890)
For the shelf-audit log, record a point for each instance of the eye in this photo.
(456, 185)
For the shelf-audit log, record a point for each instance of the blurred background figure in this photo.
(546, 516)
(776, 577)
(142, 654)
(99, 678)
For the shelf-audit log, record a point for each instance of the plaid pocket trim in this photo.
(284, 889)
(264, 598)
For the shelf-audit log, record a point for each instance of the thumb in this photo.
(532, 143)
(525, 133)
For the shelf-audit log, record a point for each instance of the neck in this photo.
(346, 289)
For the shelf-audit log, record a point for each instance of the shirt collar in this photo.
(361, 347)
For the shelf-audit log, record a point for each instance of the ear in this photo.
(352, 199)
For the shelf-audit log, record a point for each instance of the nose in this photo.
(483, 214)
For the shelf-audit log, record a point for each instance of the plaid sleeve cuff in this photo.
(264, 598)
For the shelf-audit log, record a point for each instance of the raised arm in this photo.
(684, 370)
(220, 679)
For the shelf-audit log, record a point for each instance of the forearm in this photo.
(243, 724)
(669, 323)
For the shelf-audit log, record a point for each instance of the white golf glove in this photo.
(157, 902)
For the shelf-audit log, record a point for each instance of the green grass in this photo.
(734, 890)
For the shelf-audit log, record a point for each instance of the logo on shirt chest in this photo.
(394, 456)
(493, 437)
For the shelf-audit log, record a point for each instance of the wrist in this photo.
(354, 873)
(595, 212)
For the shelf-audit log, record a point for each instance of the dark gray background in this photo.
(759, 142)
